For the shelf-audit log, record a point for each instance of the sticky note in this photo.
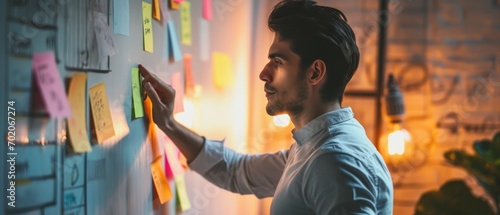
(207, 9)
(76, 124)
(160, 181)
(138, 108)
(101, 114)
(186, 23)
(121, 17)
(152, 135)
(105, 41)
(174, 5)
(173, 165)
(174, 48)
(156, 10)
(147, 27)
(182, 196)
(222, 74)
(164, 12)
(177, 84)
(178, 1)
(50, 84)
(188, 76)
(204, 40)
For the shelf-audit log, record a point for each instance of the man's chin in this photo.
(273, 111)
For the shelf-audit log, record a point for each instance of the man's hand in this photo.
(162, 97)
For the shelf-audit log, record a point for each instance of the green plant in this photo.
(455, 197)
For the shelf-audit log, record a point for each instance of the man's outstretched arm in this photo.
(163, 96)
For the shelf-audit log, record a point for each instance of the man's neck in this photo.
(312, 112)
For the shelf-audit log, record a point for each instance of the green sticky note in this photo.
(136, 94)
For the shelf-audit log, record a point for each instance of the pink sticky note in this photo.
(207, 9)
(178, 1)
(50, 84)
(177, 84)
(164, 12)
(173, 165)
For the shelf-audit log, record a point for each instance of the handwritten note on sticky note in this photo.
(156, 10)
(207, 9)
(204, 40)
(50, 84)
(188, 76)
(180, 184)
(101, 113)
(76, 124)
(222, 72)
(160, 181)
(186, 23)
(173, 165)
(121, 17)
(177, 84)
(174, 48)
(105, 41)
(147, 26)
(136, 94)
(174, 5)
(152, 135)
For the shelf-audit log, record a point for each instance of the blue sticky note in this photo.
(173, 42)
(121, 18)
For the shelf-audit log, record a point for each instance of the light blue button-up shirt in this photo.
(332, 168)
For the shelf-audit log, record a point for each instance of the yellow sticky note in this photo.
(186, 23)
(182, 196)
(153, 137)
(136, 94)
(101, 113)
(156, 10)
(160, 181)
(222, 74)
(147, 27)
(76, 123)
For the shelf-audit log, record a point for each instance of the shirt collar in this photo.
(321, 122)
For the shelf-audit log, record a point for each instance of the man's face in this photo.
(285, 83)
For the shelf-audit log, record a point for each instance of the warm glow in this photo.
(186, 118)
(282, 120)
(396, 143)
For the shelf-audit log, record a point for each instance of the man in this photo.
(333, 168)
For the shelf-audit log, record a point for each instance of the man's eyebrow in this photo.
(276, 54)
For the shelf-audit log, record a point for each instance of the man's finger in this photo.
(152, 94)
(148, 76)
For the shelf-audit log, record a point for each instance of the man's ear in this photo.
(318, 68)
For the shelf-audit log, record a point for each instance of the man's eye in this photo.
(277, 62)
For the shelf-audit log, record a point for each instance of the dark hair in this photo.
(319, 32)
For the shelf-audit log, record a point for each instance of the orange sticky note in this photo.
(147, 26)
(179, 92)
(182, 196)
(156, 10)
(188, 76)
(173, 4)
(222, 74)
(152, 135)
(50, 84)
(207, 9)
(76, 124)
(160, 181)
(101, 113)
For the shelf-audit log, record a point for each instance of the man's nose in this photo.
(265, 74)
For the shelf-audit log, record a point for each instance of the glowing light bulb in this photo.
(397, 141)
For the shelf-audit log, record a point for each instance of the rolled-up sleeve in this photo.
(256, 174)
